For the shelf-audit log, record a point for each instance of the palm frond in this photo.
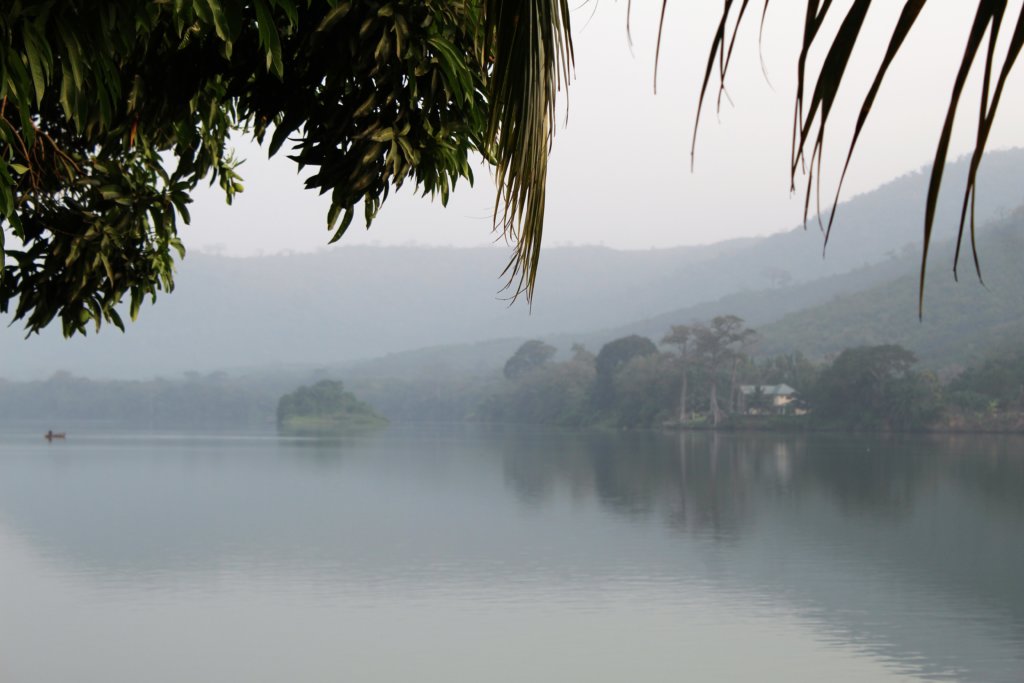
(529, 47)
(811, 114)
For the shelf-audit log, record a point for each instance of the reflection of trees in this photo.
(320, 451)
(993, 468)
(711, 489)
(698, 482)
(934, 513)
(625, 473)
(704, 482)
(884, 475)
(879, 476)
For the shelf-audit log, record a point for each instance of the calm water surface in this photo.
(447, 554)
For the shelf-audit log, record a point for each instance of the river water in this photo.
(454, 554)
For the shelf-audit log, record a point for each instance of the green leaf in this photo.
(40, 60)
(114, 317)
(107, 267)
(345, 222)
(269, 38)
(220, 22)
(136, 303)
(332, 215)
(73, 53)
(333, 16)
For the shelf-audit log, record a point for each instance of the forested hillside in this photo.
(759, 306)
(963, 321)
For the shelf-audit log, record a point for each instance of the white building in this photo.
(779, 399)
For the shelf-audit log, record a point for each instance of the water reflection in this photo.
(907, 549)
(900, 544)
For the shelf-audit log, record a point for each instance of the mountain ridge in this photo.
(360, 302)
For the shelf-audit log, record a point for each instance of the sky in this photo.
(620, 169)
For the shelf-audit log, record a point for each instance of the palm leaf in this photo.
(529, 46)
(987, 12)
(911, 10)
(986, 118)
(811, 116)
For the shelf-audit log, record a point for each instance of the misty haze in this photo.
(706, 444)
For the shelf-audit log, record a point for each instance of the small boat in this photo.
(51, 435)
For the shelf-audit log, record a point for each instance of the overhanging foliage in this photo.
(112, 113)
(817, 91)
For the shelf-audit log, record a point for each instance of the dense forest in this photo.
(204, 402)
(705, 375)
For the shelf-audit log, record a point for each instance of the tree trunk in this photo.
(716, 413)
(682, 400)
(732, 386)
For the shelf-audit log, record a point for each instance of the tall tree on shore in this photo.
(682, 337)
(718, 343)
(529, 357)
(741, 348)
(612, 357)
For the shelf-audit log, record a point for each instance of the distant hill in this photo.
(874, 304)
(342, 305)
(336, 307)
(756, 307)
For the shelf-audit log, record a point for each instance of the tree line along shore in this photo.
(704, 375)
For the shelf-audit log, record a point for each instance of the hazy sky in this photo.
(620, 171)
